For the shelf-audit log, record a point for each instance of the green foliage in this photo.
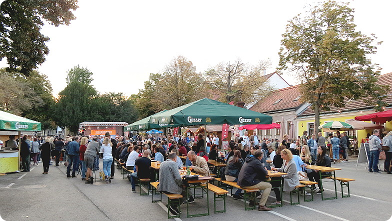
(75, 101)
(43, 113)
(16, 93)
(20, 24)
(112, 107)
(79, 74)
(80, 102)
(330, 57)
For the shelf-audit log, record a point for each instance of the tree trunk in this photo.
(316, 118)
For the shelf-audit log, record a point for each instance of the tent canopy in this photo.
(145, 124)
(361, 125)
(13, 122)
(207, 111)
(378, 117)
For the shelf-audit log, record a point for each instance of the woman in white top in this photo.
(106, 150)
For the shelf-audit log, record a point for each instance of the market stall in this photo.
(9, 159)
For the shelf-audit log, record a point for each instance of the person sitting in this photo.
(203, 153)
(170, 180)
(182, 150)
(254, 175)
(233, 169)
(213, 155)
(245, 152)
(291, 180)
(158, 155)
(179, 161)
(321, 160)
(132, 157)
(278, 161)
(272, 152)
(142, 171)
(199, 164)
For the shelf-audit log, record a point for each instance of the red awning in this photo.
(260, 126)
(378, 117)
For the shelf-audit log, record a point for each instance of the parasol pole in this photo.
(19, 147)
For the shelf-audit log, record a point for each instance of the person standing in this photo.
(82, 149)
(114, 148)
(58, 147)
(375, 147)
(73, 154)
(35, 150)
(254, 175)
(312, 144)
(45, 154)
(335, 142)
(387, 141)
(106, 149)
(343, 145)
(89, 157)
(25, 154)
(320, 140)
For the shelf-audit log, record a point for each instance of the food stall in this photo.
(9, 159)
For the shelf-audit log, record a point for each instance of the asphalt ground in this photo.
(35, 196)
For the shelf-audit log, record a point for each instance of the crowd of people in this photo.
(247, 158)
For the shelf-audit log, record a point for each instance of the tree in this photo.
(181, 84)
(75, 101)
(16, 93)
(114, 107)
(20, 24)
(236, 81)
(147, 100)
(43, 111)
(178, 85)
(330, 57)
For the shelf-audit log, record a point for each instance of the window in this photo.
(268, 132)
(278, 129)
(288, 127)
(297, 98)
(310, 129)
(277, 101)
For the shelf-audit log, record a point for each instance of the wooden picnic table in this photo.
(323, 169)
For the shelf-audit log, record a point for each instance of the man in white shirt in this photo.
(255, 139)
(216, 140)
(132, 157)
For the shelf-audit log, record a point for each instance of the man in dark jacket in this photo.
(59, 145)
(254, 175)
(73, 156)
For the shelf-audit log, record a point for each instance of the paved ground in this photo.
(34, 196)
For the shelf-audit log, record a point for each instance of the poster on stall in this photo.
(175, 131)
(225, 145)
(225, 131)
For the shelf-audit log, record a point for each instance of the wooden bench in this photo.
(308, 184)
(249, 193)
(296, 191)
(219, 194)
(154, 189)
(126, 171)
(144, 181)
(171, 200)
(344, 182)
